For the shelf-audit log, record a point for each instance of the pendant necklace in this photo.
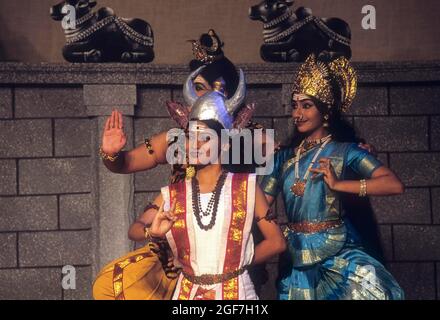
(299, 187)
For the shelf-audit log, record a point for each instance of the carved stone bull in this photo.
(293, 36)
(102, 36)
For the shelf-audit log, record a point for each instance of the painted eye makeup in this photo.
(307, 105)
(200, 87)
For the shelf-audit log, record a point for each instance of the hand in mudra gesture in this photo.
(113, 138)
(328, 173)
(163, 221)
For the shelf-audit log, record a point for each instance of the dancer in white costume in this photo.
(207, 219)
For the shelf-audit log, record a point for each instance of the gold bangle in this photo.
(148, 236)
(363, 188)
(105, 156)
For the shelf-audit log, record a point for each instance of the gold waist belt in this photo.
(312, 227)
(210, 279)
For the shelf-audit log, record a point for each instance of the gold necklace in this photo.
(309, 144)
(299, 187)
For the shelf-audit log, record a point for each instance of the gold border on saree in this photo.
(313, 227)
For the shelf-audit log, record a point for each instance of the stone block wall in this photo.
(45, 220)
(59, 206)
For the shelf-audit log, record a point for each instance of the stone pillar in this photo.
(112, 193)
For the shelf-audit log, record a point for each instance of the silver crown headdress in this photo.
(212, 105)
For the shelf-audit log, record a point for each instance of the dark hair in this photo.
(223, 68)
(340, 129)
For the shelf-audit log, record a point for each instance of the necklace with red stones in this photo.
(211, 210)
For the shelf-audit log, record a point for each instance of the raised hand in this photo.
(113, 138)
(163, 221)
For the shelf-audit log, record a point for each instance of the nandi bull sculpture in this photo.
(102, 36)
(292, 36)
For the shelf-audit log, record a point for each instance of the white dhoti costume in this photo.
(225, 249)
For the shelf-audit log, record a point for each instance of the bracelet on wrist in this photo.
(105, 156)
(363, 188)
(149, 237)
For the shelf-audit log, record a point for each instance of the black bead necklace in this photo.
(212, 204)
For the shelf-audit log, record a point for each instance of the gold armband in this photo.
(148, 145)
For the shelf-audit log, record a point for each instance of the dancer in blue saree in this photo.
(325, 259)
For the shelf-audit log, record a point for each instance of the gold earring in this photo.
(190, 172)
(326, 117)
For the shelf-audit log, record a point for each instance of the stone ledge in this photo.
(273, 73)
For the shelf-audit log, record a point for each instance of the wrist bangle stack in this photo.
(105, 156)
(151, 238)
(363, 189)
(148, 236)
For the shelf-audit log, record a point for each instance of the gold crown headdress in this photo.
(318, 79)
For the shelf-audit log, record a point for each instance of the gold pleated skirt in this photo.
(139, 275)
